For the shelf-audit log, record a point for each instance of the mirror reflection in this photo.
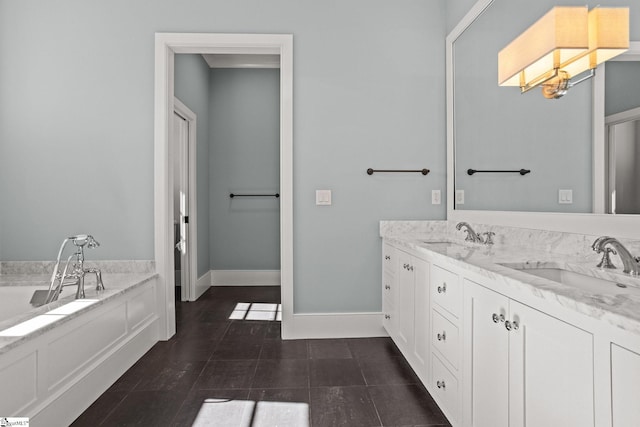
(499, 129)
(622, 110)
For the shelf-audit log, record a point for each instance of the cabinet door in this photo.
(421, 309)
(486, 358)
(551, 371)
(405, 305)
(625, 378)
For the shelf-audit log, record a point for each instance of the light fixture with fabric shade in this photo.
(564, 43)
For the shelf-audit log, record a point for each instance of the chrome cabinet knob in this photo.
(387, 287)
(386, 316)
(387, 257)
(442, 289)
(497, 318)
(411, 268)
(511, 325)
(405, 266)
(440, 384)
(442, 336)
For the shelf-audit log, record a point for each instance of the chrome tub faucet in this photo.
(630, 263)
(74, 271)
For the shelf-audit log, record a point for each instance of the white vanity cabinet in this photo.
(625, 384)
(406, 306)
(523, 367)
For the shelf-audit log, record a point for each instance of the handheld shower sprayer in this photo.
(74, 275)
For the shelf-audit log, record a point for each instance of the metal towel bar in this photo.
(232, 195)
(422, 171)
(521, 171)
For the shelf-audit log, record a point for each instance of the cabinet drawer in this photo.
(445, 289)
(444, 335)
(389, 258)
(445, 388)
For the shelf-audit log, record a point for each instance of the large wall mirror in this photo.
(580, 154)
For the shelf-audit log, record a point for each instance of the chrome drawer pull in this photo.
(387, 257)
(386, 316)
(442, 336)
(440, 384)
(442, 289)
(387, 287)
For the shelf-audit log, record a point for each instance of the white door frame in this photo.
(166, 46)
(189, 292)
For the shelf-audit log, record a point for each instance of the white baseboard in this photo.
(202, 284)
(245, 277)
(334, 325)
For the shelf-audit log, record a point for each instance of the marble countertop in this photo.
(116, 284)
(617, 306)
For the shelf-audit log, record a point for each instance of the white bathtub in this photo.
(53, 372)
(14, 301)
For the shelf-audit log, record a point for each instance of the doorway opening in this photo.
(167, 45)
(183, 152)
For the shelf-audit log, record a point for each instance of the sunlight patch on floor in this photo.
(247, 413)
(257, 311)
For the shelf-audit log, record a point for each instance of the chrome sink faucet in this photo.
(631, 263)
(474, 237)
(75, 275)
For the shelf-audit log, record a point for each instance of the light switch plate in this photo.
(323, 197)
(459, 197)
(565, 197)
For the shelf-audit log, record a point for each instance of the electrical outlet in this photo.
(435, 197)
(459, 197)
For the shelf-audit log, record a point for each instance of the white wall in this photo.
(76, 126)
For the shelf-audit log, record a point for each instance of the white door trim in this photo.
(192, 229)
(166, 46)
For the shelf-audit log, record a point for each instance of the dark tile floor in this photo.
(236, 373)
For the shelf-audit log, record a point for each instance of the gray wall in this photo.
(244, 130)
(622, 86)
(192, 88)
(76, 126)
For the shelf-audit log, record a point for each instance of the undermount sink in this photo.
(585, 282)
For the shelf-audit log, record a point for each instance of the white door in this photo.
(486, 349)
(181, 203)
(625, 377)
(422, 329)
(406, 298)
(551, 371)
